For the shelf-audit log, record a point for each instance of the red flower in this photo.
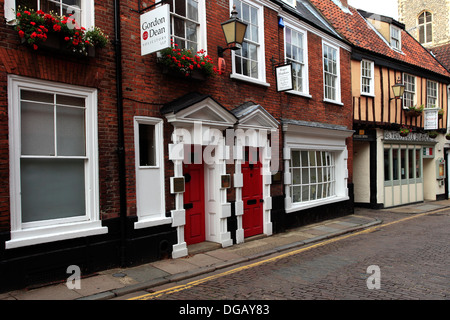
(57, 27)
(35, 47)
(66, 38)
(32, 23)
(21, 33)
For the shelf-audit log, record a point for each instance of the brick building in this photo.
(152, 162)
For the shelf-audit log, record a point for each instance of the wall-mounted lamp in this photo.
(398, 89)
(234, 31)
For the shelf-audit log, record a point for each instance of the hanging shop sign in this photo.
(284, 77)
(431, 119)
(155, 30)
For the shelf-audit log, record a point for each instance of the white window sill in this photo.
(333, 102)
(315, 203)
(151, 222)
(298, 93)
(248, 79)
(368, 94)
(46, 234)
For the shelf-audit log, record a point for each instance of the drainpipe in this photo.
(120, 132)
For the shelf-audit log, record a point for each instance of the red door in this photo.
(252, 219)
(194, 203)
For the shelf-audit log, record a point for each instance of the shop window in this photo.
(313, 175)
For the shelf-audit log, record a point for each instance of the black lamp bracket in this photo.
(221, 50)
(140, 10)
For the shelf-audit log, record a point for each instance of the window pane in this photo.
(30, 4)
(411, 163)
(52, 188)
(295, 158)
(395, 164)
(70, 126)
(193, 10)
(387, 165)
(37, 129)
(180, 7)
(147, 146)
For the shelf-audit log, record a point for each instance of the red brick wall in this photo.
(98, 72)
(146, 89)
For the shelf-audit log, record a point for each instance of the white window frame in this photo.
(338, 73)
(144, 219)
(261, 80)
(87, 15)
(305, 73)
(436, 104)
(201, 35)
(407, 83)
(327, 186)
(371, 78)
(392, 39)
(23, 234)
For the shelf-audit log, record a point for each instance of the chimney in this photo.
(344, 3)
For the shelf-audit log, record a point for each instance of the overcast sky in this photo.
(384, 7)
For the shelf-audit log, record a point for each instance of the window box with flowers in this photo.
(38, 29)
(433, 134)
(183, 63)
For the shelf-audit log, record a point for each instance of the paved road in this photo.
(408, 258)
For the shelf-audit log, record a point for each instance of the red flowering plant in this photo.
(185, 62)
(35, 26)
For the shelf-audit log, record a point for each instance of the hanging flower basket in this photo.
(39, 29)
(404, 131)
(447, 136)
(440, 113)
(414, 111)
(182, 62)
(432, 134)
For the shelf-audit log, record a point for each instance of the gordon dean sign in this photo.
(155, 30)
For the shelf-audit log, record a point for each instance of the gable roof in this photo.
(357, 30)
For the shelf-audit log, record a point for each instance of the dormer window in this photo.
(396, 38)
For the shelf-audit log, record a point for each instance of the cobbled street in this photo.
(413, 258)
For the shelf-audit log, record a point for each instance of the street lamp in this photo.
(234, 31)
(398, 89)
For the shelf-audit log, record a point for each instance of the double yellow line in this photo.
(191, 284)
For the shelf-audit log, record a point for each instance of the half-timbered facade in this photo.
(399, 142)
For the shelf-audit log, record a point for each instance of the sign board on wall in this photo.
(431, 119)
(284, 78)
(155, 30)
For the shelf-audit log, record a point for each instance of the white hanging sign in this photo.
(431, 119)
(155, 30)
(284, 78)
